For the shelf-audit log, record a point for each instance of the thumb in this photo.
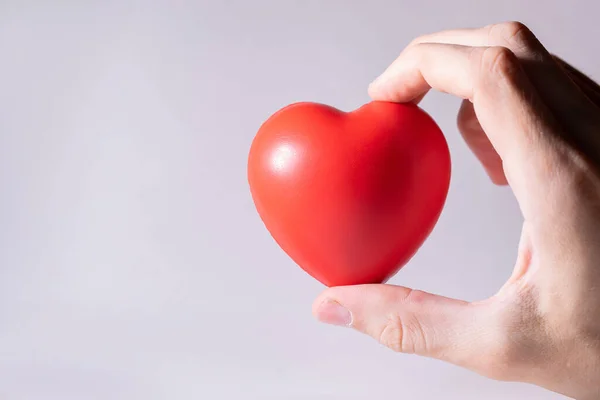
(409, 321)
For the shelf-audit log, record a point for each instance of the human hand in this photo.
(534, 123)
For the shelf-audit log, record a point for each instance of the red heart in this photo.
(350, 197)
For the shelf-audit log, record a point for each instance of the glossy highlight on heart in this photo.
(349, 196)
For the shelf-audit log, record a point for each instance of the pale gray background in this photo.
(132, 262)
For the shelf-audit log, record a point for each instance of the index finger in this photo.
(505, 102)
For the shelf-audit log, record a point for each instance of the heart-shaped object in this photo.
(349, 196)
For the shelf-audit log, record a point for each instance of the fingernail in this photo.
(332, 312)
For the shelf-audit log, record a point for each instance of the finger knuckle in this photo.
(500, 61)
(517, 31)
(392, 334)
(416, 297)
(414, 41)
(417, 51)
(515, 34)
(403, 335)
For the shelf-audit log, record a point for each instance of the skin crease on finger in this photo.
(533, 121)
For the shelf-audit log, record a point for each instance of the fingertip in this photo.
(498, 179)
(345, 295)
(375, 91)
(325, 296)
(331, 312)
(328, 308)
(388, 91)
(317, 303)
(357, 297)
